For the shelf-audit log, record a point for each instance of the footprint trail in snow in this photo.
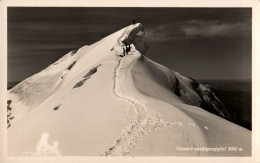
(146, 120)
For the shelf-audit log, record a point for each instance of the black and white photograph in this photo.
(129, 81)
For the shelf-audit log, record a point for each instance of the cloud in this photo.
(164, 32)
(215, 28)
(198, 28)
(153, 34)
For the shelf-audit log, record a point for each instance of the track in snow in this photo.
(146, 120)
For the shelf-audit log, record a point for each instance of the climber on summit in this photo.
(134, 21)
(128, 48)
(125, 49)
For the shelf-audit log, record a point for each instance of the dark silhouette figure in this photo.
(134, 21)
(126, 48)
(124, 51)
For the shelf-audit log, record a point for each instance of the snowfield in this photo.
(92, 102)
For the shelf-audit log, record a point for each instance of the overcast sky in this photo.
(202, 43)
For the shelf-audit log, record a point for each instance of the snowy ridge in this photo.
(188, 90)
(37, 88)
(134, 34)
(116, 106)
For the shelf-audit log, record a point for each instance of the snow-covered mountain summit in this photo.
(112, 105)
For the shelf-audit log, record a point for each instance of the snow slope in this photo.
(93, 102)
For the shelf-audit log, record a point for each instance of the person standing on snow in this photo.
(126, 47)
(124, 51)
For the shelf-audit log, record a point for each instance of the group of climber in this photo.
(126, 47)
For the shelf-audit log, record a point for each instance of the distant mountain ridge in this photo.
(244, 85)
